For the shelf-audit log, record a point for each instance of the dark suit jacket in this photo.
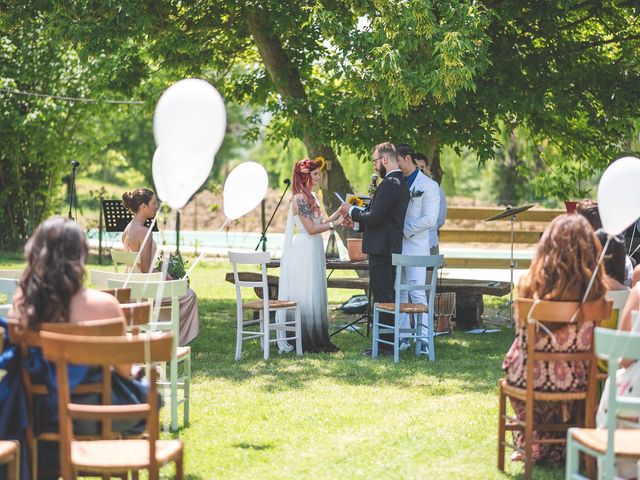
(385, 219)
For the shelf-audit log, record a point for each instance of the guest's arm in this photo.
(625, 321)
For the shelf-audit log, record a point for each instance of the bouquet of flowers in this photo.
(175, 267)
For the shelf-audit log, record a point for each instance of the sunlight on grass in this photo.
(338, 415)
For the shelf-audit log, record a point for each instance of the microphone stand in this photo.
(263, 238)
(73, 197)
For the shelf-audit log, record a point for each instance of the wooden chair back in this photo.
(137, 314)
(125, 260)
(123, 295)
(105, 352)
(21, 335)
(251, 258)
(100, 278)
(530, 314)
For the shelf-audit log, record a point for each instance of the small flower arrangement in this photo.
(175, 266)
(415, 193)
(356, 201)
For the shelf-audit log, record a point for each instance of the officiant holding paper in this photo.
(384, 222)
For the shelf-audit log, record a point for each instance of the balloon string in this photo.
(194, 265)
(595, 271)
(226, 222)
(144, 242)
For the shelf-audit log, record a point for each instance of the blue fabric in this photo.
(14, 417)
(412, 177)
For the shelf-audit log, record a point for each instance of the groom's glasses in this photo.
(376, 159)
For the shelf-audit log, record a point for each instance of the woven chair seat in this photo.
(404, 307)
(521, 394)
(273, 304)
(626, 441)
(111, 455)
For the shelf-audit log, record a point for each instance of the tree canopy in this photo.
(344, 75)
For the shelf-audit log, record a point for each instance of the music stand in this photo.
(117, 217)
(511, 213)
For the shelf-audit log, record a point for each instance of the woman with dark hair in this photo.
(144, 206)
(561, 269)
(51, 290)
(302, 268)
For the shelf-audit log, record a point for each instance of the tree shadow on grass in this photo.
(464, 362)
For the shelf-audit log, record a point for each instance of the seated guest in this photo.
(144, 206)
(614, 261)
(51, 290)
(560, 270)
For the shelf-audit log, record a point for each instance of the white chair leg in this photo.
(266, 336)
(298, 332)
(396, 337)
(187, 388)
(239, 317)
(432, 349)
(375, 333)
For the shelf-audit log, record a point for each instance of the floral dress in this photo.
(549, 376)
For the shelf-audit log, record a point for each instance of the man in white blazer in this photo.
(420, 219)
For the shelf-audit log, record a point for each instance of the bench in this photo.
(469, 303)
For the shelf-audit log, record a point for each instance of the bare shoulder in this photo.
(95, 305)
(302, 206)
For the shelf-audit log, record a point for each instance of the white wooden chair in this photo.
(100, 278)
(147, 291)
(611, 443)
(423, 335)
(263, 306)
(619, 298)
(125, 260)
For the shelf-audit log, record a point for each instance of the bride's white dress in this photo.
(303, 279)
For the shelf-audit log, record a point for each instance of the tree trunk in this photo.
(286, 79)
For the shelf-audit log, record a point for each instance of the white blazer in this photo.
(421, 216)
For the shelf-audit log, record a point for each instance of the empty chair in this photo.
(122, 294)
(148, 291)
(611, 443)
(264, 307)
(421, 333)
(100, 278)
(123, 261)
(108, 456)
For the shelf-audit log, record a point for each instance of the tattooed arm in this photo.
(302, 208)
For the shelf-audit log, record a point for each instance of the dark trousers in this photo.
(382, 277)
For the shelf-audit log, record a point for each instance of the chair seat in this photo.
(404, 307)
(626, 441)
(8, 449)
(114, 455)
(182, 352)
(521, 393)
(273, 304)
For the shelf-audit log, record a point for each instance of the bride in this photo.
(302, 267)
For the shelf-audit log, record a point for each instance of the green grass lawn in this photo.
(338, 415)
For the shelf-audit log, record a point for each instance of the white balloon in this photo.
(244, 189)
(619, 195)
(176, 183)
(190, 120)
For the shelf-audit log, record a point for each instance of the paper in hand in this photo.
(340, 198)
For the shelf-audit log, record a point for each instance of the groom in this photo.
(384, 225)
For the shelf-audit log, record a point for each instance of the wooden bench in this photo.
(469, 302)
(466, 225)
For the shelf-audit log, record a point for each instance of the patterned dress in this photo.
(549, 376)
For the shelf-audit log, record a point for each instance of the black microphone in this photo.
(75, 163)
(374, 179)
(287, 182)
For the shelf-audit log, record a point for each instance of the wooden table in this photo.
(469, 302)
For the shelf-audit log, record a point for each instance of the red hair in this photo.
(302, 181)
